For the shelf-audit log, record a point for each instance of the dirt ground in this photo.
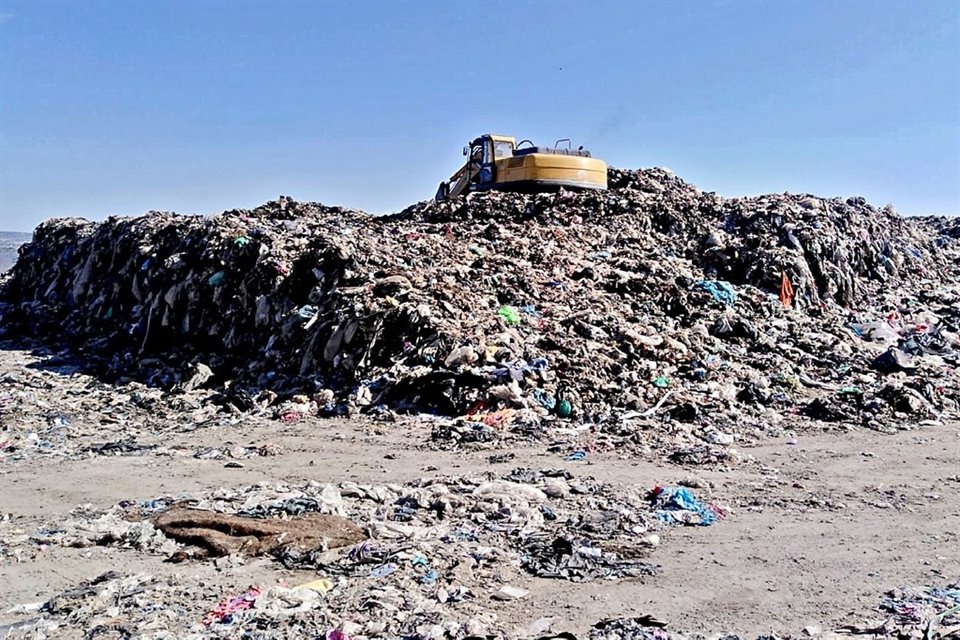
(818, 530)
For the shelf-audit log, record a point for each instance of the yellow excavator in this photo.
(499, 162)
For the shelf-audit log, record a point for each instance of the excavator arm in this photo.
(459, 181)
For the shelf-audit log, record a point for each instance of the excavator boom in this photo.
(458, 182)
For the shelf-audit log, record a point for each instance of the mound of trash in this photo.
(560, 305)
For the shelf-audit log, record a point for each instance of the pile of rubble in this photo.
(915, 612)
(422, 560)
(50, 408)
(652, 299)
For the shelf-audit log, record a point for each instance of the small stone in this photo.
(509, 592)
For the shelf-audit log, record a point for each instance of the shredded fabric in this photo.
(678, 505)
(223, 612)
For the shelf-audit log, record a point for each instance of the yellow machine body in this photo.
(498, 162)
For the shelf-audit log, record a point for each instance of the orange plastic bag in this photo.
(786, 290)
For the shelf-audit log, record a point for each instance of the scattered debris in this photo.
(915, 612)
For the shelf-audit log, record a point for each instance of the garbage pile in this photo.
(50, 408)
(653, 299)
(422, 560)
(138, 605)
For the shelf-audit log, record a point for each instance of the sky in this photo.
(116, 107)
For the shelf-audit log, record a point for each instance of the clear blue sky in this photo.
(118, 107)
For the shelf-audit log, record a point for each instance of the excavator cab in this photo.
(483, 161)
(484, 152)
(495, 162)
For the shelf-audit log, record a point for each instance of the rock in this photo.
(508, 592)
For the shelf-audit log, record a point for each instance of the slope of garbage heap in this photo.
(571, 305)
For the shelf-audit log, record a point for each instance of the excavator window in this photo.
(486, 165)
(502, 149)
(478, 159)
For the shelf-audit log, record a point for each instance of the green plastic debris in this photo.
(661, 382)
(217, 279)
(510, 315)
(564, 408)
(850, 391)
(242, 241)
